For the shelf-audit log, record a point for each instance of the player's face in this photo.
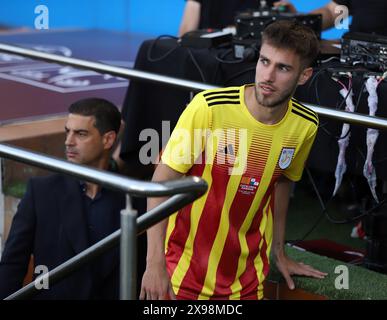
(278, 73)
(84, 143)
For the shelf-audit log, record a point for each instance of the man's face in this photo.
(278, 73)
(84, 144)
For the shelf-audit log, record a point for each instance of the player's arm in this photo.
(284, 264)
(156, 283)
(191, 17)
(282, 192)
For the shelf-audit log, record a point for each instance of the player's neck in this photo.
(271, 115)
(266, 115)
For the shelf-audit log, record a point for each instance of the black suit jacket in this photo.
(50, 224)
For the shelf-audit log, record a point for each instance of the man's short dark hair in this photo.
(289, 34)
(107, 116)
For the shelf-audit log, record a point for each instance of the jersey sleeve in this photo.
(187, 140)
(296, 168)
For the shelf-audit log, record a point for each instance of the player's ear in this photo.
(305, 75)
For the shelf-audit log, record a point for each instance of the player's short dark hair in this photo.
(289, 34)
(107, 116)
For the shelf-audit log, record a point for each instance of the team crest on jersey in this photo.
(286, 157)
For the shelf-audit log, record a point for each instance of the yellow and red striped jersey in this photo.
(218, 247)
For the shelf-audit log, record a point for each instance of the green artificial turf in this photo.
(16, 190)
(363, 284)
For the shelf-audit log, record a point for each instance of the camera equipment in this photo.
(250, 24)
(205, 38)
(362, 48)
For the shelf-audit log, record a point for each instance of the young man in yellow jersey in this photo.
(249, 143)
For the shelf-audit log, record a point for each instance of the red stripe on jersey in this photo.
(228, 264)
(253, 239)
(193, 281)
(179, 235)
(264, 257)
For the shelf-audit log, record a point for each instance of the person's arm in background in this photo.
(191, 17)
(117, 148)
(155, 282)
(285, 265)
(328, 12)
(135, 171)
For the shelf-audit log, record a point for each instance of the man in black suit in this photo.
(60, 216)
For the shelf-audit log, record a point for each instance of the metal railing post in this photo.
(128, 262)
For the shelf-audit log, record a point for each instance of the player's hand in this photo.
(289, 267)
(289, 6)
(156, 284)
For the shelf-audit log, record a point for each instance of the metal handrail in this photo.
(103, 178)
(143, 222)
(104, 68)
(183, 192)
(348, 117)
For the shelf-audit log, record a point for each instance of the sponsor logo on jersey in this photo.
(248, 185)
